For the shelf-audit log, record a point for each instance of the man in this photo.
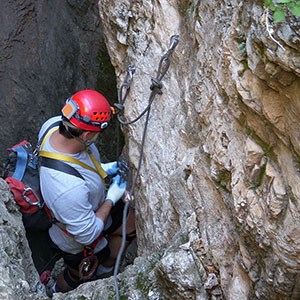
(84, 212)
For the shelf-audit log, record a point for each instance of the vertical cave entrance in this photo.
(110, 145)
(63, 51)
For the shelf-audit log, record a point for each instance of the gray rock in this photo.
(19, 278)
(218, 194)
(229, 114)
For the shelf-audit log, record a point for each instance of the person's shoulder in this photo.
(94, 150)
(48, 123)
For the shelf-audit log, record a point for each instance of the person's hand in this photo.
(111, 168)
(116, 190)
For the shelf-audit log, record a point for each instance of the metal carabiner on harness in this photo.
(28, 190)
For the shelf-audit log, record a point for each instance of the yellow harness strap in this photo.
(98, 169)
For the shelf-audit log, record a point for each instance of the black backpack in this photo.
(21, 172)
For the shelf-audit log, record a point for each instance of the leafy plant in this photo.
(280, 8)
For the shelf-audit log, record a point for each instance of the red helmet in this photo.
(88, 110)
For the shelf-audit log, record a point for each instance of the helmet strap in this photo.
(86, 143)
(91, 141)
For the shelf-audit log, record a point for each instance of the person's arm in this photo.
(104, 210)
(114, 194)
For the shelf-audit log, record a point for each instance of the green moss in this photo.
(153, 262)
(224, 180)
(268, 153)
(142, 283)
(268, 149)
(110, 293)
(242, 49)
(260, 178)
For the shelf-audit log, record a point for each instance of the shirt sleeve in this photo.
(46, 125)
(75, 211)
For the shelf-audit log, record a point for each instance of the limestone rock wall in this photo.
(19, 279)
(49, 50)
(220, 174)
(217, 201)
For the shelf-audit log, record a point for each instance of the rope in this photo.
(155, 87)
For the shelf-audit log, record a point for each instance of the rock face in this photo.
(49, 50)
(19, 279)
(220, 167)
(217, 201)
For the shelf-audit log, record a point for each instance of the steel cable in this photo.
(155, 87)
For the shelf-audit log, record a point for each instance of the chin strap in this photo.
(77, 138)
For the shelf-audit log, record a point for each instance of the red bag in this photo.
(29, 200)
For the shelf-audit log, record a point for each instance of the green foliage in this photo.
(142, 283)
(280, 8)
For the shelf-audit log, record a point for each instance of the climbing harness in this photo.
(89, 263)
(123, 91)
(57, 161)
(62, 157)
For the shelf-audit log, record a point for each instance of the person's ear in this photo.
(85, 135)
(90, 135)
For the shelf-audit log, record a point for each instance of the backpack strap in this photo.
(46, 133)
(59, 166)
(58, 156)
(21, 163)
(22, 155)
(66, 158)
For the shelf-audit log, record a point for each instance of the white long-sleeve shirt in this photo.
(73, 201)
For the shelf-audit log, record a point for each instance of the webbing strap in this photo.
(89, 250)
(45, 137)
(21, 163)
(59, 166)
(70, 159)
(98, 169)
